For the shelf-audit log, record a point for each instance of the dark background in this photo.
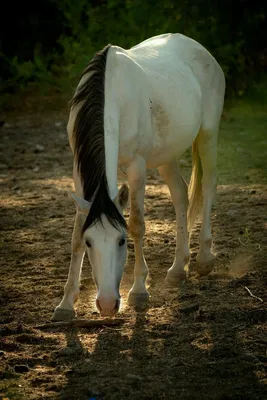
(49, 42)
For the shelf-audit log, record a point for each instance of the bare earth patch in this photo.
(205, 340)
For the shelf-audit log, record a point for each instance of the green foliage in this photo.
(242, 143)
(234, 34)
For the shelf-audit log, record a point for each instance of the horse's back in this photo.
(168, 44)
(167, 52)
(180, 58)
(163, 84)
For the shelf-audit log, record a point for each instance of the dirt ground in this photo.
(205, 340)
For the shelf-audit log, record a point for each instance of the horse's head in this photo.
(107, 251)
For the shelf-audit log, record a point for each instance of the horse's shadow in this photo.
(114, 351)
(179, 352)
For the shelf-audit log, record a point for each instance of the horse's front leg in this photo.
(136, 174)
(65, 309)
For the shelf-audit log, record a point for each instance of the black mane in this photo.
(89, 146)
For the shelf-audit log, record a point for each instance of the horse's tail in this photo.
(195, 188)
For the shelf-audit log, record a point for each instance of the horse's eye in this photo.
(121, 242)
(88, 244)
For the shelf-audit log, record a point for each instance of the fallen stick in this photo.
(251, 294)
(81, 323)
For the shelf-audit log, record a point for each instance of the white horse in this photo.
(137, 109)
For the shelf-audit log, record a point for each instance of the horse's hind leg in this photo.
(207, 148)
(178, 190)
(136, 174)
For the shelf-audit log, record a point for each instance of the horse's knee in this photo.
(77, 246)
(77, 241)
(136, 226)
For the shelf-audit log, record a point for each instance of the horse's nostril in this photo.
(107, 307)
(98, 305)
(117, 305)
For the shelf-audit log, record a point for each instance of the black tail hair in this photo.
(89, 145)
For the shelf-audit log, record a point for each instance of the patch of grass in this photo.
(242, 157)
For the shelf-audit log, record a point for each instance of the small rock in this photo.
(39, 148)
(21, 368)
(68, 351)
(250, 357)
(134, 377)
(36, 169)
(93, 393)
(58, 124)
(3, 166)
(231, 213)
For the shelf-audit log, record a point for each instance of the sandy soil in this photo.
(215, 349)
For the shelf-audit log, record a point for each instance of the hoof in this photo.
(62, 314)
(205, 267)
(138, 299)
(173, 280)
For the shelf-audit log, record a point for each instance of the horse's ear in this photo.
(123, 196)
(82, 205)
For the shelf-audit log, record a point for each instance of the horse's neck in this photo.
(123, 109)
(111, 129)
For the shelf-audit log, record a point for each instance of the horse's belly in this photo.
(173, 131)
(164, 152)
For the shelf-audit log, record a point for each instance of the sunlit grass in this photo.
(242, 150)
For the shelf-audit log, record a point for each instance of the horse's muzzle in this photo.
(107, 307)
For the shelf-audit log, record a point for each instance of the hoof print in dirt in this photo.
(21, 369)
(138, 300)
(61, 314)
(133, 377)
